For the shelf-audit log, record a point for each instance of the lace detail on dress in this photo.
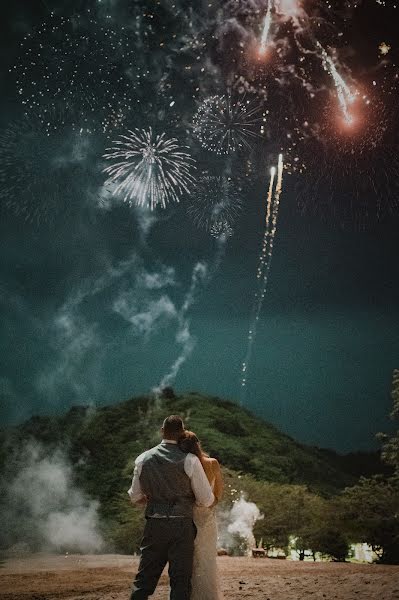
(205, 580)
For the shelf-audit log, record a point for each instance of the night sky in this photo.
(92, 294)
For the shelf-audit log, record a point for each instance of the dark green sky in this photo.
(71, 292)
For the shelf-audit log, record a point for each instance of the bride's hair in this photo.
(189, 442)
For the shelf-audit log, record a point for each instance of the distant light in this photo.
(384, 48)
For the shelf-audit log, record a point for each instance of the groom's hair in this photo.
(173, 426)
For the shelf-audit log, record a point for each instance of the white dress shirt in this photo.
(193, 469)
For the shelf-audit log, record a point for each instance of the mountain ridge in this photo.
(240, 440)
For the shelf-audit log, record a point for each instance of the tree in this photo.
(168, 393)
(329, 541)
(319, 529)
(370, 509)
(290, 511)
(390, 447)
(370, 512)
(125, 531)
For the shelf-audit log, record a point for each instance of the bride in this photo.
(205, 579)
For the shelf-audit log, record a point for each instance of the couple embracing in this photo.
(180, 486)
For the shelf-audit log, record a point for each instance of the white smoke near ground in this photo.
(43, 508)
(236, 526)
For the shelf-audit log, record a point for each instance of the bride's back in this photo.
(190, 443)
(212, 471)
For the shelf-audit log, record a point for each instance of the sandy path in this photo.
(109, 577)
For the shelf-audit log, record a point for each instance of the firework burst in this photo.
(149, 170)
(43, 168)
(334, 120)
(223, 125)
(352, 169)
(216, 202)
(221, 229)
(78, 64)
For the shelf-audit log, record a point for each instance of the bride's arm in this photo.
(218, 489)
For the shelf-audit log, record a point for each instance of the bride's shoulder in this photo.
(212, 462)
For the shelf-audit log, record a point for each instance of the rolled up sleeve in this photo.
(135, 492)
(199, 481)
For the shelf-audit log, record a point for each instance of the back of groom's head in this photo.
(173, 427)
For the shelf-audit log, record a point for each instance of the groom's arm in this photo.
(135, 491)
(199, 481)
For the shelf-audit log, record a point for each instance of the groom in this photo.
(169, 482)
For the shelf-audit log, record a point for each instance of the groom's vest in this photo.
(164, 480)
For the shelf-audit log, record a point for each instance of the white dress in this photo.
(205, 579)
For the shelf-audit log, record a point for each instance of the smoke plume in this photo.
(43, 508)
(183, 335)
(236, 526)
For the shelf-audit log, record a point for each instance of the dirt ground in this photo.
(109, 577)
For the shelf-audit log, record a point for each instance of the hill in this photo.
(113, 436)
(100, 445)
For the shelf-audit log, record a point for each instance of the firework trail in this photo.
(265, 260)
(221, 230)
(183, 335)
(266, 28)
(148, 169)
(263, 256)
(290, 9)
(345, 95)
(200, 275)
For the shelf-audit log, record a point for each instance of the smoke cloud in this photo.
(43, 509)
(236, 526)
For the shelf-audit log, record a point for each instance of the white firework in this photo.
(149, 170)
(223, 125)
(221, 229)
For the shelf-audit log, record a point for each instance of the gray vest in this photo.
(165, 482)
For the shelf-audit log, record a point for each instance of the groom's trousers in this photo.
(166, 540)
